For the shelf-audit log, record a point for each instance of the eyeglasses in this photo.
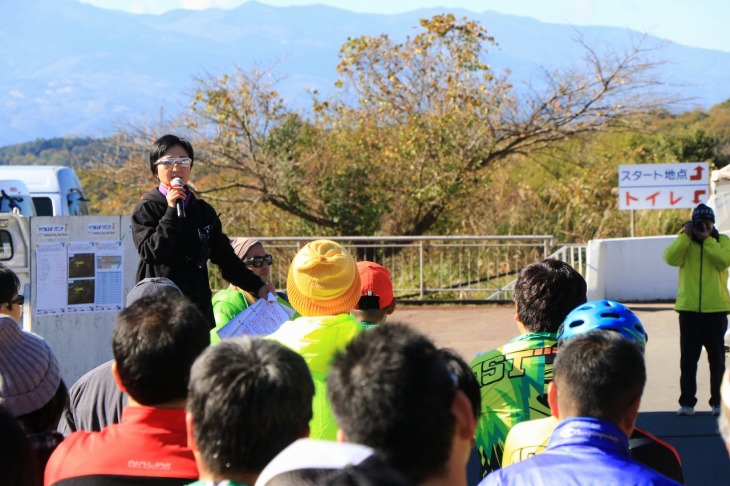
(258, 261)
(168, 162)
(20, 300)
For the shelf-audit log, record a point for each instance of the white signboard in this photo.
(663, 186)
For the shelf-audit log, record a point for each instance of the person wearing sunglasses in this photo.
(11, 302)
(230, 302)
(14, 307)
(31, 387)
(176, 234)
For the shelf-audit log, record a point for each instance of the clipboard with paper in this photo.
(259, 319)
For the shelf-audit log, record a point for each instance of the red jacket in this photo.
(148, 442)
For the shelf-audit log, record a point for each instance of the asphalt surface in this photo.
(471, 329)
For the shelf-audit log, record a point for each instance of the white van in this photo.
(55, 190)
(15, 197)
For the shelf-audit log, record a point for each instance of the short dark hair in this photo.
(466, 380)
(369, 315)
(391, 389)
(155, 342)
(9, 284)
(546, 292)
(601, 373)
(249, 398)
(163, 144)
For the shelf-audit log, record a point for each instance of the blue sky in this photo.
(696, 23)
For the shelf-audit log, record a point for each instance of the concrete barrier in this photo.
(630, 270)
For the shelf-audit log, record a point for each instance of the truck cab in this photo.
(55, 190)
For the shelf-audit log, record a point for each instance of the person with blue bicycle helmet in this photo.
(604, 314)
(529, 438)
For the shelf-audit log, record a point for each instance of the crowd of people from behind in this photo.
(337, 395)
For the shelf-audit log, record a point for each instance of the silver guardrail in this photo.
(447, 268)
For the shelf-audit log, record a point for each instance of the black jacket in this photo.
(179, 249)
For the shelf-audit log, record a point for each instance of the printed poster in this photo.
(79, 277)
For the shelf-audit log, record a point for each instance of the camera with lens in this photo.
(698, 225)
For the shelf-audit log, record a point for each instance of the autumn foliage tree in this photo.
(410, 133)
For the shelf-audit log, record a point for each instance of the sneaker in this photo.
(715, 411)
(685, 411)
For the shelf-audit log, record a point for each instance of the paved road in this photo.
(470, 329)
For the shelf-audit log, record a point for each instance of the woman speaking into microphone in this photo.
(176, 234)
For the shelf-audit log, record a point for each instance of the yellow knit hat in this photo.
(323, 280)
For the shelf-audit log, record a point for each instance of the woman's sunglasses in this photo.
(258, 261)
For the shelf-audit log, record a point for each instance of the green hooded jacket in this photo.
(703, 272)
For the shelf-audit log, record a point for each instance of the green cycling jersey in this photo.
(513, 380)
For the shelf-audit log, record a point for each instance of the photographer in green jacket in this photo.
(703, 302)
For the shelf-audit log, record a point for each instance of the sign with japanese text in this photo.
(663, 186)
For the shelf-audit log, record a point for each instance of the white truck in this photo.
(55, 189)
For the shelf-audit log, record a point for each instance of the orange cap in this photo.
(375, 282)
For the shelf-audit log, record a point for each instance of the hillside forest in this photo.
(420, 137)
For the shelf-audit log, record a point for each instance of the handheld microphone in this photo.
(177, 182)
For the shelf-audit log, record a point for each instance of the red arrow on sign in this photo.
(698, 193)
(698, 174)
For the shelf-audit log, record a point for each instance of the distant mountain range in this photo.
(68, 68)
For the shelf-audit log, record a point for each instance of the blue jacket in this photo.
(582, 451)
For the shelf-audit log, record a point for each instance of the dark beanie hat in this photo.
(703, 213)
(150, 286)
